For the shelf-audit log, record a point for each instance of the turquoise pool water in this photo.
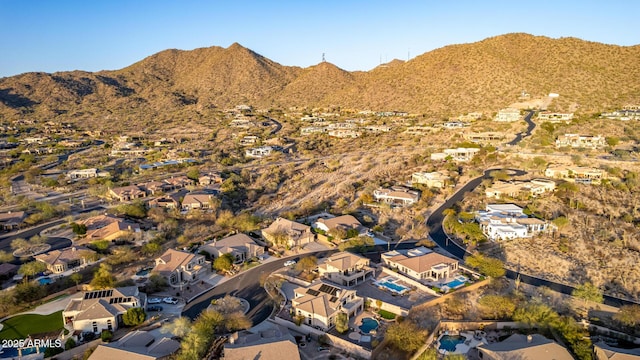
(45, 281)
(143, 272)
(455, 283)
(393, 287)
(368, 324)
(449, 342)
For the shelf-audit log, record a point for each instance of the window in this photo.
(95, 327)
(109, 325)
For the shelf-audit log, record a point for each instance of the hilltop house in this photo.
(508, 221)
(534, 187)
(86, 174)
(320, 303)
(108, 227)
(101, 309)
(59, 261)
(259, 152)
(12, 220)
(581, 141)
(180, 267)
(240, 246)
(346, 269)
(507, 115)
(555, 117)
(167, 202)
(576, 174)
(421, 264)
(293, 234)
(436, 179)
(457, 155)
(397, 195)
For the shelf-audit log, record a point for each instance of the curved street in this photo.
(437, 234)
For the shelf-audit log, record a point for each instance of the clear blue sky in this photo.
(92, 35)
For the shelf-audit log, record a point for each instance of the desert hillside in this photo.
(176, 85)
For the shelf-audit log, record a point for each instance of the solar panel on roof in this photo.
(328, 289)
(313, 292)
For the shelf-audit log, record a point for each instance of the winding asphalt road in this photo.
(530, 127)
(438, 235)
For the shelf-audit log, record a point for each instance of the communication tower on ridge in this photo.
(323, 60)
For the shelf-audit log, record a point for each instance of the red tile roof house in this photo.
(181, 267)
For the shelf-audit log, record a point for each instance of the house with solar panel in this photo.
(320, 303)
(99, 310)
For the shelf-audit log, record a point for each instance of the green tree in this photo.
(193, 174)
(76, 278)
(157, 282)
(31, 268)
(19, 244)
(534, 313)
(151, 248)
(588, 292)
(612, 140)
(223, 262)
(342, 323)
(106, 335)
(179, 327)
(79, 229)
(134, 316)
(406, 336)
(497, 306)
(488, 266)
(5, 257)
(628, 315)
(102, 278)
(307, 263)
(236, 321)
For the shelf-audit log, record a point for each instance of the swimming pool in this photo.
(143, 272)
(449, 342)
(457, 282)
(44, 281)
(393, 287)
(368, 324)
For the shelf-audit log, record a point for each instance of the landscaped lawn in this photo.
(386, 314)
(20, 326)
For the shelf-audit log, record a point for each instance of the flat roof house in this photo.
(397, 195)
(435, 179)
(507, 115)
(508, 221)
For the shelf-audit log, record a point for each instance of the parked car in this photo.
(154, 308)
(289, 263)
(154, 301)
(170, 300)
